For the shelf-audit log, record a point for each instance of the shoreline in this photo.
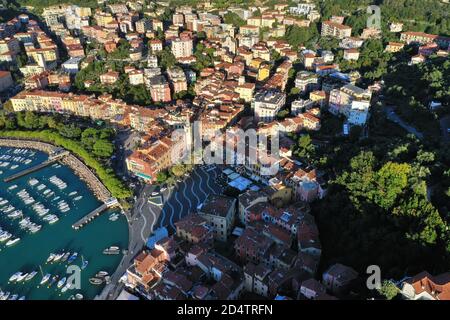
(76, 165)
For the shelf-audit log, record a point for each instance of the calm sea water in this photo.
(33, 250)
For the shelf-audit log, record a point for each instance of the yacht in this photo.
(12, 242)
(45, 278)
(101, 274)
(5, 236)
(50, 257)
(111, 250)
(21, 277)
(54, 279)
(65, 288)
(78, 198)
(5, 296)
(72, 258)
(15, 276)
(61, 282)
(13, 297)
(58, 257)
(31, 276)
(33, 182)
(96, 281)
(65, 257)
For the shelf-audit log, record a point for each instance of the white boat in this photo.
(58, 257)
(14, 186)
(51, 257)
(33, 182)
(72, 193)
(5, 236)
(61, 282)
(5, 296)
(12, 242)
(31, 276)
(45, 278)
(21, 298)
(21, 277)
(15, 276)
(78, 198)
(65, 288)
(14, 297)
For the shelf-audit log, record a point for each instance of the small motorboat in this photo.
(51, 257)
(61, 282)
(101, 274)
(96, 281)
(79, 296)
(30, 276)
(65, 257)
(45, 278)
(111, 250)
(72, 258)
(54, 279)
(21, 277)
(15, 276)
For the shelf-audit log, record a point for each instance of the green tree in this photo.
(103, 148)
(388, 290)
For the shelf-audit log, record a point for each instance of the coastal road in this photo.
(391, 115)
(145, 217)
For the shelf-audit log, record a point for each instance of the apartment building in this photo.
(266, 104)
(160, 89)
(182, 47)
(220, 212)
(307, 81)
(177, 79)
(341, 100)
(333, 29)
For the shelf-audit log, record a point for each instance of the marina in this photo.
(37, 241)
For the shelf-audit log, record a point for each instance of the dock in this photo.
(52, 159)
(94, 213)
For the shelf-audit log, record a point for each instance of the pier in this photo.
(52, 159)
(95, 213)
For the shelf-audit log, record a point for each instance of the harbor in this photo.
(39, 209)
(66, 158)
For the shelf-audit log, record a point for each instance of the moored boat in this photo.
(61, 282)
(72, 258)
(45, 278)
(31, 276)
(15, 276)
(12, 242)
(96, 281)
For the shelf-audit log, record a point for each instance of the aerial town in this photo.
(354, 106)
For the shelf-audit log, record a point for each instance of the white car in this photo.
(155, 193)
(163, 189)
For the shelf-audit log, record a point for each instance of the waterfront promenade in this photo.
(78, 167)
